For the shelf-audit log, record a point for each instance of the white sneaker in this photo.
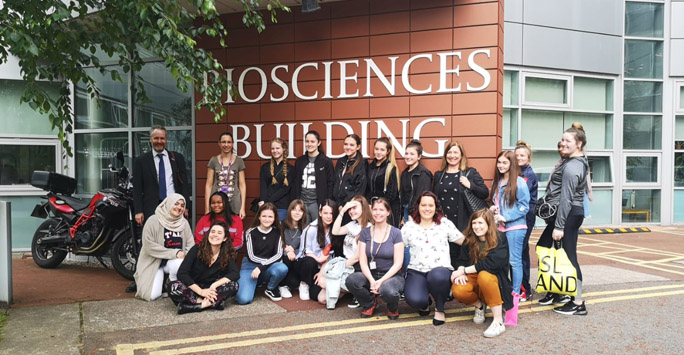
(285, 292)
(304, 292)
(479, 316)
(495, 329)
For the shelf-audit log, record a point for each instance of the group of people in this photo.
(361, 227)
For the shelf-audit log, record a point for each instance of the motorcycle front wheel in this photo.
(124, 255)
(46, 255)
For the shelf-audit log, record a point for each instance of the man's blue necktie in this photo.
(162, 177)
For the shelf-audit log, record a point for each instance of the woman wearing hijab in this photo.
(167, 237)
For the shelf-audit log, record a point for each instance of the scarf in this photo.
(163, 213)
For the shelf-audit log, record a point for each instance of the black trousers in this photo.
(180, 293)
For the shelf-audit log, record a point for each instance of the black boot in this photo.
(219, 306)
(132, 288)
(189, 307)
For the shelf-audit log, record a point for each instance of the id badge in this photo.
(371, 265)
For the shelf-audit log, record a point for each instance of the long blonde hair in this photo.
(273, 162)
(391, 162)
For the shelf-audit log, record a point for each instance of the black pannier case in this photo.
(54, 182)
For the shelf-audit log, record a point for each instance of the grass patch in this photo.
(3, 319)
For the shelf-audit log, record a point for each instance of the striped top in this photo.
(264, 247)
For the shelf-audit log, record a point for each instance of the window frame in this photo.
(639, 185)
(535, 104)
(27, 189)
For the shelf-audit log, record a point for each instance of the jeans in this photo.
(515, 246)
(247, 285)
(390, 290)
(282, 213)
(420, 285)
(311, 212)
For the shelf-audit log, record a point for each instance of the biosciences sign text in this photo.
(274, 88)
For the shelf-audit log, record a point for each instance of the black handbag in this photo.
(544, 209)
(475, 203)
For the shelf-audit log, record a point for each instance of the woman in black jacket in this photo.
(383, 178)
(313, 178)
(415, 179)
(208, 275)
(451, 181)
(481, 275)
(275, 177)
(350, 171)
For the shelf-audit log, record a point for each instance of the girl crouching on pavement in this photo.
(293, 225)
(481, 276)
(381, 254)
(261, 264)
(208, 275)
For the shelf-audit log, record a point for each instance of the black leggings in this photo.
(304, 270)
(570, 232)
(420, 285)
(180, 293)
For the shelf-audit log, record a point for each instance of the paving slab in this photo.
(42, 330)
(113, 315)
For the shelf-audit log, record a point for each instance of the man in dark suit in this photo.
(149, 188)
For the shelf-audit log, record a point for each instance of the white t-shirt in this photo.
(430, 247)
(351, 244)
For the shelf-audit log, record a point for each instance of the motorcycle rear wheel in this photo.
(124, 257)
(46, 256)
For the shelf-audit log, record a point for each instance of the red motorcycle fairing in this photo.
(87, 214)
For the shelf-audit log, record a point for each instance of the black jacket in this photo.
(324, 177)
(146, 182)
(495, 263)
(376, 187)
(194, 271)
(277, 193)
(348, 185)
(414, 183)
(478, 188)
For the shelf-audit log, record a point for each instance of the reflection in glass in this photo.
(167, 106)
(643, 59)
(601, 208)
(17, 162)
(679, 170)
(94, 153)
(641, 169)
(643, 96)
(642, 132)
(112, 110)
(18, 118)
(510, 125)
(640, 206)
(178, 141)
(593, 94)
(546, 90)
(510, 87)
(643, 19)
(679, 130)
(600, 169)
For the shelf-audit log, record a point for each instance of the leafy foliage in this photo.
(56, 40)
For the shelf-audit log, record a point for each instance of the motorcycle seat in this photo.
(76, 203)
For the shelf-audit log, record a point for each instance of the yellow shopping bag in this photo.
(556, 273)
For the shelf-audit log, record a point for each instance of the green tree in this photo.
(56, 40)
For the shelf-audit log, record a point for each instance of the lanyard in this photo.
(384, 239)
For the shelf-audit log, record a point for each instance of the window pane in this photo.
(681, 97)
(17, 162)
(643, 96)
(178, 141)
(23, 224)
(543, 163)
(640, 206)
(168, 106)
(94, 153)
(600, 169)
(593, 94)
(18, 118)
(679, 206)
(510, 127)
(601, 208)
(112, 110)
(642, 132)
(510, 87)
(542, 129)
(546, 90)
(643, 59)
(641, 169)
(644, 20)
(679, 128)
(599, 128)
(679, 170)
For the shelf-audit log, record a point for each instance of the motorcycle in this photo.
(90, 227)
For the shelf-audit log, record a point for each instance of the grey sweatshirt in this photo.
(566, 187)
